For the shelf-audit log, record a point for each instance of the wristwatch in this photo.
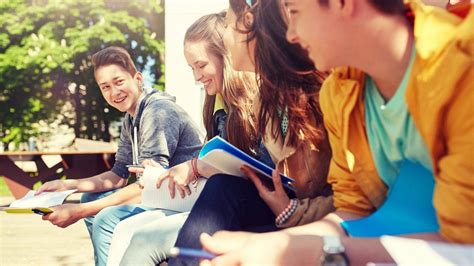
(333, 252)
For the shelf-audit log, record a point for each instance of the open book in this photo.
(227, 158)
(38, 204)
(160, 198)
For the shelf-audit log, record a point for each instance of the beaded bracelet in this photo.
(278, 218)
(283, 214)
(287, 213)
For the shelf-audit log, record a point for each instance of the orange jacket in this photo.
(440, 99)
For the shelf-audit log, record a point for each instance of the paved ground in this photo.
(25, 239)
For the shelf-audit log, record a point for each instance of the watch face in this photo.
(332, 245)
(333, 251)
(334, 260)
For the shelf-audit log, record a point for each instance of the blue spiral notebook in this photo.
(408, 208)
(227, 158)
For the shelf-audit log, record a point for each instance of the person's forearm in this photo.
(101, 182)
(128, 195)
(361, 251)
(329, 225)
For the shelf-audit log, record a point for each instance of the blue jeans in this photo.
(102, 225)
(226, 203)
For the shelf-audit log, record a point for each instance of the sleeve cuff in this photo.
(121, 170)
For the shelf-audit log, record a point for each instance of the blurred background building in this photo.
(179, 15)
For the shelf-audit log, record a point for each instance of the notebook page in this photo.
(160, 198)
(44, 200)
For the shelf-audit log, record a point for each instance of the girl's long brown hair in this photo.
(286, 75)
(238, 87)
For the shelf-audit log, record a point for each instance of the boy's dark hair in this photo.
(391, 7)
(114, 55)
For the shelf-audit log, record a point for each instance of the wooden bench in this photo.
(74, 164)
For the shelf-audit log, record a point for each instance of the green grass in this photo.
(4, 191)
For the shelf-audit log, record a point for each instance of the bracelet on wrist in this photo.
(287, 213)
(279, 217)
(195, 169)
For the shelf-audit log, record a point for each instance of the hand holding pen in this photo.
(140, 168)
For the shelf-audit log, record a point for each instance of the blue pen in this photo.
(189, 252)
(39, 212)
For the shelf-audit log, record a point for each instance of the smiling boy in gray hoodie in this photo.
(154, 128)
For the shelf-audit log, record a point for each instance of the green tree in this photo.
(45, 51)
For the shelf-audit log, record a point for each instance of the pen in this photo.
(134, 165)
(39, 212)
(189, 252)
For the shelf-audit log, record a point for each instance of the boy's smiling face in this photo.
(119, 88)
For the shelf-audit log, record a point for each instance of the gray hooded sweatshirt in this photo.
(165, 133)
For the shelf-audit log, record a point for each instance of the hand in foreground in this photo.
(277, 248)
(64, 215)
(179, 178)
(55, 185)
(276, 199)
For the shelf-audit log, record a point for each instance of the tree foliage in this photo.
(45, 69)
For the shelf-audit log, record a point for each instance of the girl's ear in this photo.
(248, 19)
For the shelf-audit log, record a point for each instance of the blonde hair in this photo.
(238, 88)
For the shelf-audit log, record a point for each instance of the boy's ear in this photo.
(345, 8)
(348, 8)
(139, 79)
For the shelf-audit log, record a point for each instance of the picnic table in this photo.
(74, 164)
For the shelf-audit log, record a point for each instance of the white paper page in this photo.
(160, 198)
(227, 163)
(407, 251)
(44, 200)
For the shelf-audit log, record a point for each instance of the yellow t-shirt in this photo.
(219, 104)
